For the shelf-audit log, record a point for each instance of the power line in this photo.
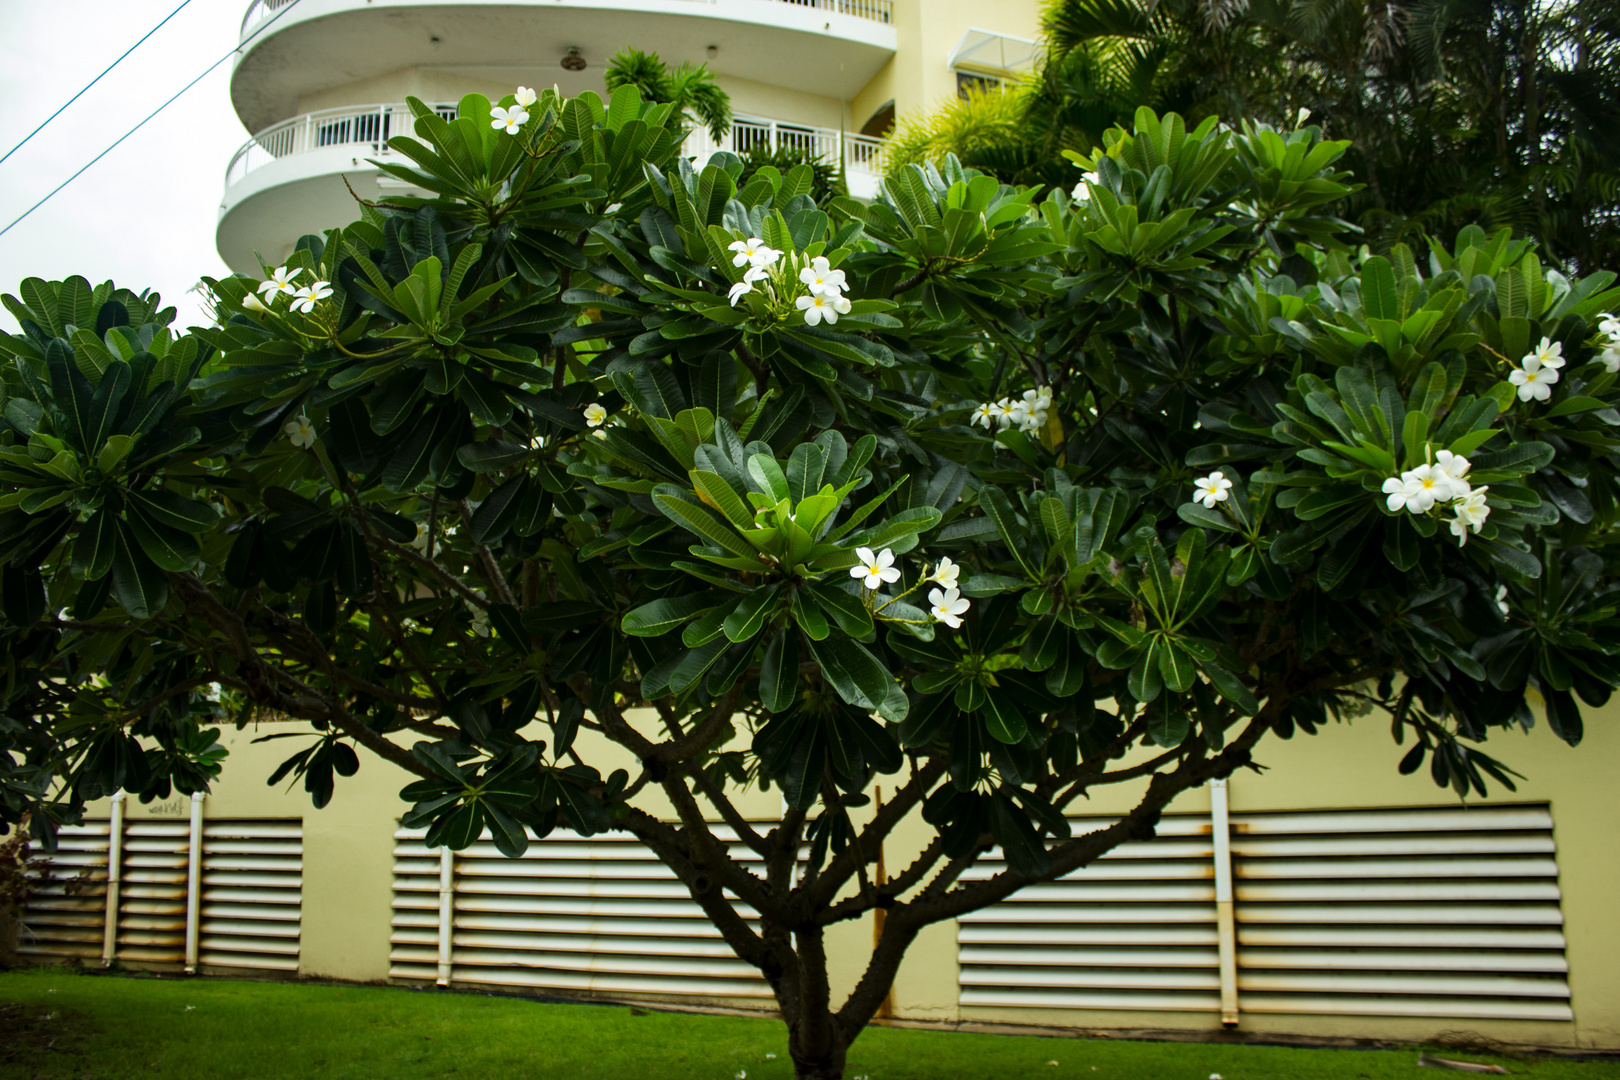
(269, 23)
(95, 80)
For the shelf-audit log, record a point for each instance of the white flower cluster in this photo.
(1026, 413)
(1440, 483)
(825, 300)
(1538, 370)
(279, 285)
(946, 605)
(595, 417)
(1609, 327)
(512, 120)
(1082, 190)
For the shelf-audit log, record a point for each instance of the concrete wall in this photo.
(348, 866)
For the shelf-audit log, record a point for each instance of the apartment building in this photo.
(322, 83)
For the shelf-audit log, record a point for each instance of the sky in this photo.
(143, 216)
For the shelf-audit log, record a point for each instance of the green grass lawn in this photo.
(57, 1024)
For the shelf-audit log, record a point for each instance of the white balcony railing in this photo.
(367, 128)
(881, 11)
(859, 153)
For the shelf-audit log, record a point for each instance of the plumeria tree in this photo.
(1013, 495)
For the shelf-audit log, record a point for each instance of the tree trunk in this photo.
(817, 1050)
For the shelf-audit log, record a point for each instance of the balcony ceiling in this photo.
(321, 44)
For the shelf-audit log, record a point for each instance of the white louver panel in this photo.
(66, 910)
(252, 891)
(1428, 912)
(1135, 930)
(152, 900)
(594, 914)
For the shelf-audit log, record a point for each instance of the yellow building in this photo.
(1322, 893)
(322, 83)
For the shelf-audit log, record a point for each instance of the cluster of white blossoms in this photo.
(1082, 190)
(512, 120)
(279, 286)
(1609, 327)
(825, 300)
(1440, 482)
(300, 432)
(1538, 370)
(946, 604)
(1026, 413)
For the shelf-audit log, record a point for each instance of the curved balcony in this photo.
(293, 53)
(302, 175)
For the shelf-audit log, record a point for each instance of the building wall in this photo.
(348, 867)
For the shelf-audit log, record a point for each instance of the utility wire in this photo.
(269, 23)
(95, 80)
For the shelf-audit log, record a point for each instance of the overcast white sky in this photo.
(144, 215)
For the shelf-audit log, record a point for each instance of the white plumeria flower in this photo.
(1300, 117)
(421, 541)
(1082, 190)
(600, 433)
(280, 281)
(1501, 600)
(822, 279)
(595, 415)
(1030, 413)
(948, 606)
(818, 309)
(984, 414)
(1610, 357)
(1608, 323)
(1455, 467)
(875, 569)
(1006, 413)
(1549, 354)
(946, 572)
(213, 692)
(525, 97)
(738, 291)
(1418, 489)
(300, 432)
(1534, 381)
(747, 250)
(252, 303)
(508, 120)
(311, 295)
(1471, 514)
(1212, 489)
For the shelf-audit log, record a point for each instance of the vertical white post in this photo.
(115, 860)
(447, 896)
(1225, 918)
(194, 881)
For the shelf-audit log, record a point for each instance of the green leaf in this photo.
(663, 615)
(846, 608)
(779, 672)
(1001, 716)
(138, 584)
(749, 615)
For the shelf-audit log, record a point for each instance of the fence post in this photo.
(1225, 919)
(115, 857)
(447, 894)
(194, 881)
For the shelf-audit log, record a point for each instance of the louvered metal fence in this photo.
(225, 894)
(594, 914)
(1429, 912)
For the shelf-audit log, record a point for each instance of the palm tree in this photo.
(690, 87)
(1488, 112)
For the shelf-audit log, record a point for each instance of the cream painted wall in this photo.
(348, 865)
